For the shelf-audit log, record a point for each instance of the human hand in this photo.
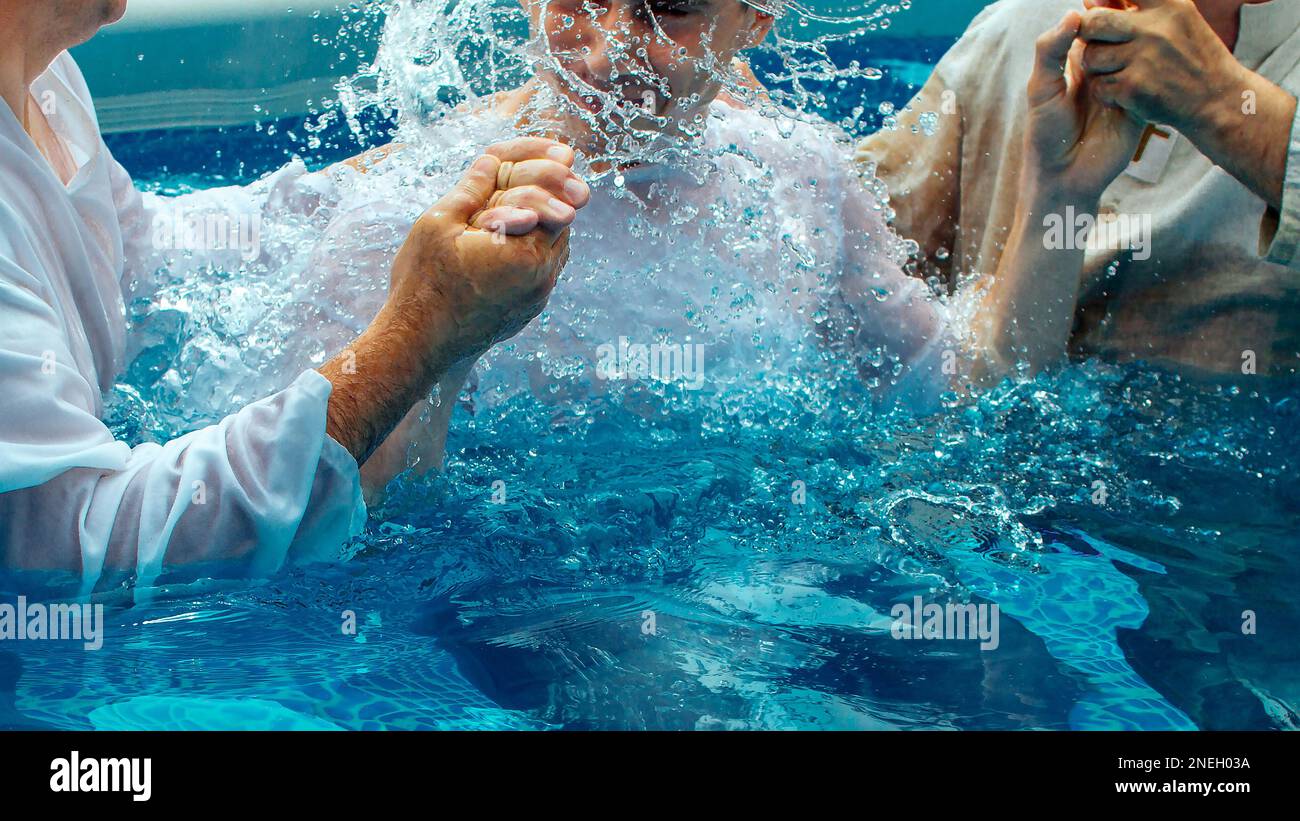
(1075, 143)
(481, 263)
(1159, 60)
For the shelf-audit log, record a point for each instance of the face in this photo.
(626, 57)
(76, 21)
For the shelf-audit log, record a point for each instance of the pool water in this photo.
(736, 567)
(766, 614)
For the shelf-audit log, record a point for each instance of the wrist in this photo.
(423, 332)
(1042, 186)
(1218, 111)
(1245, 128)
(1039, 197)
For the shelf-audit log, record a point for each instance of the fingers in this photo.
(1113, 90)
(508, 221)
(1106, 58)
(1052, 50)
(1054, 45)
(1106, 25)
(519, 186)
(473, 191)
(553, 213)
(522, 149)
(1074, 69)
(548, 174)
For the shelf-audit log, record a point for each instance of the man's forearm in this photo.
(1245, 129)
(1027, 313)
(377, 380)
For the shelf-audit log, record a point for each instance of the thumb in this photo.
(1052, 51)
(473, 192)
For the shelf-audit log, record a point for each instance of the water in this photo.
(766, 613)
(667, 559)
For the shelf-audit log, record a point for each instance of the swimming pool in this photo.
(738, 569)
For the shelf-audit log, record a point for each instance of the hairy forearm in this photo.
(1027, 313)
(1245, 129)
(377, 379)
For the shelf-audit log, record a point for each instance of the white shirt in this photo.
(775, 242)
(261, 487)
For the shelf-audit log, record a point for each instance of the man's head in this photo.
(665, 57)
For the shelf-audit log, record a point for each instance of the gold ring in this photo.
(503, 176)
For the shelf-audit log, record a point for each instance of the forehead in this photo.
(702, 6)
(681, 16)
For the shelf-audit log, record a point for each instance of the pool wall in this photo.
(203, 63)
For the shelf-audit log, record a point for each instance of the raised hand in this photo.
(1159, 59)
(475, 269)
(1075, 142)
(484, 259)
(1162, 61)
(535, 176)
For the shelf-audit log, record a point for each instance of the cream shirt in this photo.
(1216, 285)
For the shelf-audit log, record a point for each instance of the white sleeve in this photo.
(263, 487)
(216, 227)
(151, 224)
(899, 329)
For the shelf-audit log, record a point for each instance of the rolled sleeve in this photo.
(1285, 246)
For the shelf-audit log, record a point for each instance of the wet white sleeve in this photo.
(212, 228)
(263, 487)
(221, 228)
(900, 329)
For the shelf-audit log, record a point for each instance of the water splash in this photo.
(437, 57)
(623, 498)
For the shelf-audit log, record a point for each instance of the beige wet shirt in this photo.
(1187, 270)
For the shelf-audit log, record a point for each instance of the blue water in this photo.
(766, 613)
